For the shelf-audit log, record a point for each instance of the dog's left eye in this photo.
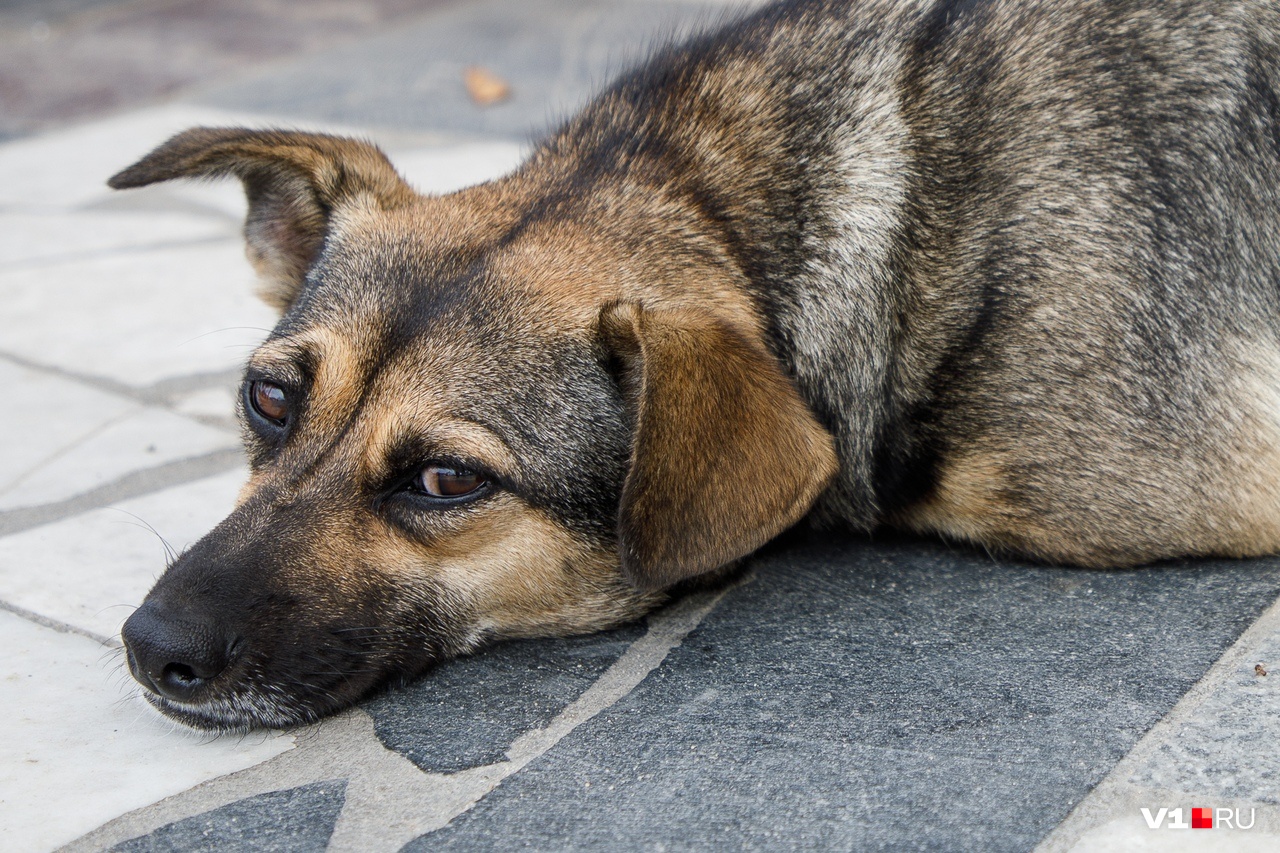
(448, 481)
(269, 400)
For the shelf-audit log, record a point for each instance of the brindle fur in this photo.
(1013, 264)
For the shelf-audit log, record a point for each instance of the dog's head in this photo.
(522, 409)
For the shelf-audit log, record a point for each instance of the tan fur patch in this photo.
(1129, 503)
(965, 504)
(519, 573)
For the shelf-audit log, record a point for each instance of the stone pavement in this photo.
(843, 693)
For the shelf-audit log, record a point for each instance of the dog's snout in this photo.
(173, 655)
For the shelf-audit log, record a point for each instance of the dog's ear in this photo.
(294, 181)
(726, 455)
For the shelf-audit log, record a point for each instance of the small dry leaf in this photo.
(1258, 669)
(485, 87)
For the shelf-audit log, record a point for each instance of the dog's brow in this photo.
(455, 438)
(283, 358)
(286, 370)
(476, 439)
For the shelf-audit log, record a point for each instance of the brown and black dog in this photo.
(1004, 271)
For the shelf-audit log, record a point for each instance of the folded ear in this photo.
(726, 454)
(293, 181)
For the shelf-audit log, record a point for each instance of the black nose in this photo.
(174, 655)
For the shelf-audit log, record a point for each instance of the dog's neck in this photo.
(811, 223)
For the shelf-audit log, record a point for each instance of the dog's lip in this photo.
(204, 716)
(234, 703)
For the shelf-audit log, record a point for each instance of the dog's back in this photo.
(1021, 256)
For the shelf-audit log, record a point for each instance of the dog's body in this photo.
(1006, 271)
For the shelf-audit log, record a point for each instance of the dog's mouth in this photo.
(238, 713)
(247, 697)
(235, 701)
(236, 685)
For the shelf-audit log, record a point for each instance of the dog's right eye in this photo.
(449, 482)
(269, 401)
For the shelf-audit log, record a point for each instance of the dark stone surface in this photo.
(467, 712)
(554, 54)
(880, 696)
(292, 821)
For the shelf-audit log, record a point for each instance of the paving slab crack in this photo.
(389, 801)
(69, 447)
(159, 393)
(58, 625)
(135, 484)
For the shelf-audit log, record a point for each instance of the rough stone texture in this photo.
(205, 291)
(466, 712)
(880, 696)
(1216, 754)
(299, 820)
(108, 445)
(92, 570)
(895, 695)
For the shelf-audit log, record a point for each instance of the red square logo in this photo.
(1202, 818)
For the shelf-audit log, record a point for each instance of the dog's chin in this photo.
(237, 714)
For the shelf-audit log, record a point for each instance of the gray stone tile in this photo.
(466, 712)
(880, 696)
(554, 54)
(293, 821)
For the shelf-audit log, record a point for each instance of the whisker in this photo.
(171, 554)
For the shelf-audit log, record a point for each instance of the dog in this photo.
(1001, 271)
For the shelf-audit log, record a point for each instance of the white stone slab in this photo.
(211, 403)
(136, 317)
(78, 747)
(46, 238)
(92, 570)
(43, 415)
(145, 439)
(445, 168)
(59, 438)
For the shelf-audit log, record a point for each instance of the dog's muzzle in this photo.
(175, 655)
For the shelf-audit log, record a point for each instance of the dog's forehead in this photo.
(416, 327)
(466, 261)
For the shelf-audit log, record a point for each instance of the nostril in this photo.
(180, 677)
(175, 655)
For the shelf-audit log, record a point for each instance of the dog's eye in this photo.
(448, 481)
(268, 400)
